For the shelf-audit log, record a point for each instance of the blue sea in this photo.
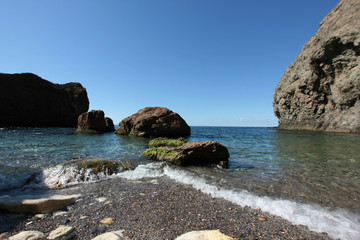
(305, 177)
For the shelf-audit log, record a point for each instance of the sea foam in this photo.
(337, 223)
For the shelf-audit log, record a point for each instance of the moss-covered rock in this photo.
(160, 142)
(187, 153)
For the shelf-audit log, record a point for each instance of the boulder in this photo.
(320, 90)
(204, 235)
(94, 122)
(189, 153)
(27, 100)
(28, 235)
(154, 122)
(36, 203)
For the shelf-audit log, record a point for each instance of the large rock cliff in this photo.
(26, 100)
(320, 90)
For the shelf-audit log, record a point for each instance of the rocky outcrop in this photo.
(26, 100)
(94, 122)
(183, 153)
(154, 122)
(321, 90)
(36, 203)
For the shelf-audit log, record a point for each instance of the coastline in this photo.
(157, 208)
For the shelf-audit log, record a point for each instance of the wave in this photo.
(338, 223)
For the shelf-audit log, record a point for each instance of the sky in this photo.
(215, 62)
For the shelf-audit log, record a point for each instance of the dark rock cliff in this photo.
(27, 100)
(320, 90)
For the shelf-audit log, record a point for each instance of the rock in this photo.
(36, 203)
(63, 232)
(26, 100)
(204, 235)
(161, 142)
(154, 122)
(83, 170)
(107, 221)
(190, 153)
(28, 235)
(98, 230)
(320, 90)
(262, 219)
(108, 236)
(94, 122)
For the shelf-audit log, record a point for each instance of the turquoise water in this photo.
(316, 169)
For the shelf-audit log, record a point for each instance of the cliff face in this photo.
(26, 100)
(320, 90)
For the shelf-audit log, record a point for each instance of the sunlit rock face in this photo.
(320, 90)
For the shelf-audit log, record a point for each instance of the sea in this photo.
(308, 178)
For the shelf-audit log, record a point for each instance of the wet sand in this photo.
(156, 209)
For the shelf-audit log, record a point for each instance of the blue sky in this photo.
(215, 62)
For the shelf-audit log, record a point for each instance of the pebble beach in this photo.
(153, 209)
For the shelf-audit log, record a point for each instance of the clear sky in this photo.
(215, 62)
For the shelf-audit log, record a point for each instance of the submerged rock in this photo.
(36, 203)
(184, 153)
(204, 235)
(83, 170)
(321, 90)
(154, 122)
(94, 122)
(27, 100)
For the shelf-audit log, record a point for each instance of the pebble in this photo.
(107, 221)
(61, 231)
(59, 213)
(101, 199)
(263, 219)
(108, 236)
(98, 230)
(42, 215)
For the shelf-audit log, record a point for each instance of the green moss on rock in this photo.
(160, 142)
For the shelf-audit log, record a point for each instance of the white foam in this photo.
(151, 170)
(337, 223)
(62, 175)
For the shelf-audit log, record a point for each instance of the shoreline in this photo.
(157, 208)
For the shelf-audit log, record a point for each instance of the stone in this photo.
(320, 90)
(36, 203)
(154, 122)
(191, 153)
(98, 230)
(94, 122)
(27, 235)
(27, 100)
(107, 221)
(204, 235)
(108, 236)
(63, 232)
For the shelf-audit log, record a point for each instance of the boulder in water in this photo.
(94, 122)
(183, 153)
(154, 122)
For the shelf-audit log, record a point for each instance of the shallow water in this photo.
(291, 174)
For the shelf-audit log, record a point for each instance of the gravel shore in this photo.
(155, 209)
